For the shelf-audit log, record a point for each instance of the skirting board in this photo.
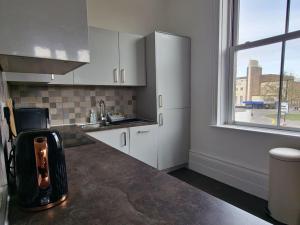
(175, 168)
(245, 179)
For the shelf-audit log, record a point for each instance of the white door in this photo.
(172, 70)
(143, 144)
(104, 56)
(117, 138)
(132, 60)
(67, 79)
(173, 137)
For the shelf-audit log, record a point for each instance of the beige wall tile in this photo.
(69, 104)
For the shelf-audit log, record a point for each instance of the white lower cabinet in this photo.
(117, 138)
(138, 142)
(143, 144)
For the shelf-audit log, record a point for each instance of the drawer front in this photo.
(143, 144)
(118, 139)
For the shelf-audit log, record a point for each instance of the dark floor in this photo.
(236, 197)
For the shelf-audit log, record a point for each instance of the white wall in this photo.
(133, 16)
(239, 158)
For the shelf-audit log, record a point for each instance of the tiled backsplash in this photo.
(72, 104)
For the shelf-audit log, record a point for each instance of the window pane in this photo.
(290, 108)
(260, 19)
(257, 85)
(294, 15)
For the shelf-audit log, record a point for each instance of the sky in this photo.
(265, 18)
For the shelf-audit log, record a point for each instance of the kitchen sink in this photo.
(100, 126)
(95, 126)
(129, 121)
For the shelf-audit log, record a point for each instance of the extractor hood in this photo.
(43, 36)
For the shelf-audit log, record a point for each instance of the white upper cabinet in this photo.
(172, 70)
(44, 37)
(67, 79)
(132, 59)
(116, 59)
(104, 63)
(27, 77)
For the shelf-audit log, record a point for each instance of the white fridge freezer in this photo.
(166, 99)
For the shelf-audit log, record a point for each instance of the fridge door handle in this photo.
(161, 120)
(160, 101)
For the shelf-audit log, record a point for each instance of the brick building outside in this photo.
(264, 88)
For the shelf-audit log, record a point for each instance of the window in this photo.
(265, 63)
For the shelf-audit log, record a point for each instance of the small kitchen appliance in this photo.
(41, 178)
(21, 119)
(31, 118)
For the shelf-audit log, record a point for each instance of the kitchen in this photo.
(123, 109)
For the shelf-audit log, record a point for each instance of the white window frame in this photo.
(227, 63)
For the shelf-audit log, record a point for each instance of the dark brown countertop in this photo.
(109, 187)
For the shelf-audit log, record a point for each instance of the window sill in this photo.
(259, 130)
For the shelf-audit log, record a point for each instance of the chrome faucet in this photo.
(102, 111)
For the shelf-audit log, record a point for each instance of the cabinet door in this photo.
(132, 59)
(104, 62)
(67, 79)
(173, 138)
(28, 77)
(143, 144)
(43, 29)
(172, 70)
(118, 139)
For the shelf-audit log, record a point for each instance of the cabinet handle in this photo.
(125, 138)
(160, 101)
(143, 131)
(123, 76)
(161, 120)
(116, 75)
(52, 77)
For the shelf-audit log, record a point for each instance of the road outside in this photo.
(266, 117)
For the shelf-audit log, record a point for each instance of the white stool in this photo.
(284, 185)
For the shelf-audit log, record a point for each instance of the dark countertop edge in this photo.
(104, 128)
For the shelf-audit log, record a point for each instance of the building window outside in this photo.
(265, 63)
